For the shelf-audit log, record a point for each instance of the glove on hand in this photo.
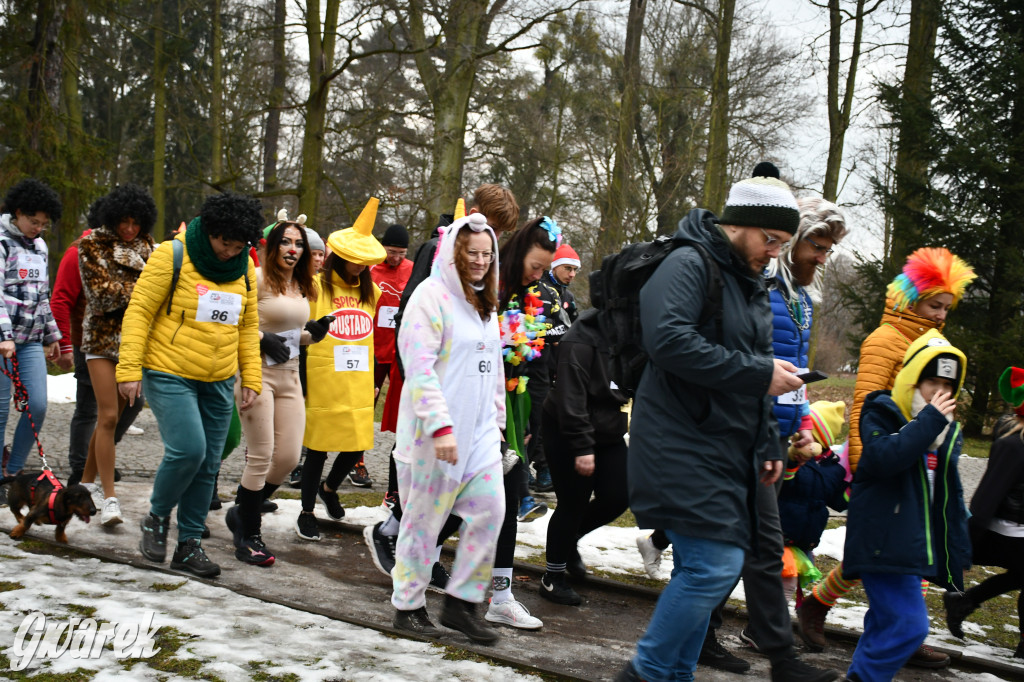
(318, 328)
(272, 346)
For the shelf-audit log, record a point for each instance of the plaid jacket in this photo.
(25, 315)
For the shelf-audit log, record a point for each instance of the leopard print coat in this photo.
(110, 267)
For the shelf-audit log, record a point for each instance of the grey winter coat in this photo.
(702, 421)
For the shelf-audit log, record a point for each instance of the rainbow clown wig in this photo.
(930, 271)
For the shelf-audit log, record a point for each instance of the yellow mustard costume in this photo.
(339, 369)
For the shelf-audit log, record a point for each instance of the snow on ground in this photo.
(61, 388)
(234, 636)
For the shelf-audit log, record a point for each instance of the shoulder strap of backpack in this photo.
(179, 254)
(712, 308)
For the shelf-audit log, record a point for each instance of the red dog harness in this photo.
(47, 474)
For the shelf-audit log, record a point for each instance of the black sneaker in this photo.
(360, 477)
(268, 507)
(307, 528)
(382, 547)
(190, 556)
(438, 578)
(117, 475)
(153, 544)
(295, 478)
(206, 532)
(234, 524)
(714, 655)
(215, 502)
(331, 503)
(76, 477)
(462, 616)
(252, 551)
(416, 621)
(554, 588)
(794, 670)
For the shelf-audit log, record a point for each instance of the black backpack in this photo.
(615, 291)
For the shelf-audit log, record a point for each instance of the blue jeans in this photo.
(704, 572)
(193, 417)
(32, 370)
(895, 625)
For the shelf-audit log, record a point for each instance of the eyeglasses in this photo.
(769, 240)
(485, 256)
(819, 248)
(39, 224)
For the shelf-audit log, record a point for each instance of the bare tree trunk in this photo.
(321, 42)
(45, 77)
(160, 64)
(276, 100)
(76, 198)
(217, 98)
(611, 234)
(912, 153)
(839, 111)
(716, 171)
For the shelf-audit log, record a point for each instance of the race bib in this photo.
(485, 362)
(217, 306)
(291, 342)
(31, 267)
(386, 316)
(351, 359)
(797, 397)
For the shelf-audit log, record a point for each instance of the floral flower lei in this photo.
(523, 330)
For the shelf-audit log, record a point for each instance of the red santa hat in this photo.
(565, 255)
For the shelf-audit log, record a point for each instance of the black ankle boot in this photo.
(244, 518)
(462, 616)
(958, 605)
(268, 506)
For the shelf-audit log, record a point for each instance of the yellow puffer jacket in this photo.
(881, 359)
(178, 344)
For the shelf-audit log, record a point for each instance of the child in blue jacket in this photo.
(907, 518)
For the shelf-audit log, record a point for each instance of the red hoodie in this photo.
(67, 301)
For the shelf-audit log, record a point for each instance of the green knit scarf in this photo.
(201, 253)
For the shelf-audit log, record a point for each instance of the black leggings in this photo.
(997, 585)
(314, 467)
(514, 481)
(577, 514)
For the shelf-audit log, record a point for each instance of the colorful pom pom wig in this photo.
(930, 271)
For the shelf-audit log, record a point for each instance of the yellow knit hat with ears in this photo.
(357, 244)
(460, 209)
(827, 419)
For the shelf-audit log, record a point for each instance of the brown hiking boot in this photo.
(926, 657)
(811, 621)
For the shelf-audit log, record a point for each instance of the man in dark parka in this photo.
(702, 432)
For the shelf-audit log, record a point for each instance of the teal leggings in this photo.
(193, 417)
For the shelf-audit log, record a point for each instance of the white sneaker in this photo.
(134, 430)
(111, 514)
(512, 613)
(651, 556)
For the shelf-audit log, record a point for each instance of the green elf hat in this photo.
(1011, 388)
(282, 217)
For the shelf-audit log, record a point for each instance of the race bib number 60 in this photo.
(217, 306)
(485, 362)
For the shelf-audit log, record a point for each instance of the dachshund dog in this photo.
(34, 490)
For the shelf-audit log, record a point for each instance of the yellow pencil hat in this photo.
(357, 244)
(460, 209)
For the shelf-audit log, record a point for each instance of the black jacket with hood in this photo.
(702, 420)
(582, 401)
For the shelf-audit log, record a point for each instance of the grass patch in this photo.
(10, 585)
(361, 499)
(87, 611)
(37, 675)
(287, 494)
(166, 587)
(977, 447)
(34, 546)
(627, 520)
(169, 641)
(260, 675)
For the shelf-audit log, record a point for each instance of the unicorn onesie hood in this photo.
(452, 359)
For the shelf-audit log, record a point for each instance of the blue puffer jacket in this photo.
(894, 525)
(791, 343)
(804, 501)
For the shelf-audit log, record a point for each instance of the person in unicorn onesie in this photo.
(452, 410)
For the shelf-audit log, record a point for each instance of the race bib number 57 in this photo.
(351, 359)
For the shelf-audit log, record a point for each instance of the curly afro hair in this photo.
(129, 201)
(94, 217)
(233, 217)
(30, 196)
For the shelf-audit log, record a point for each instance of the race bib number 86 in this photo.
(217, 306)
